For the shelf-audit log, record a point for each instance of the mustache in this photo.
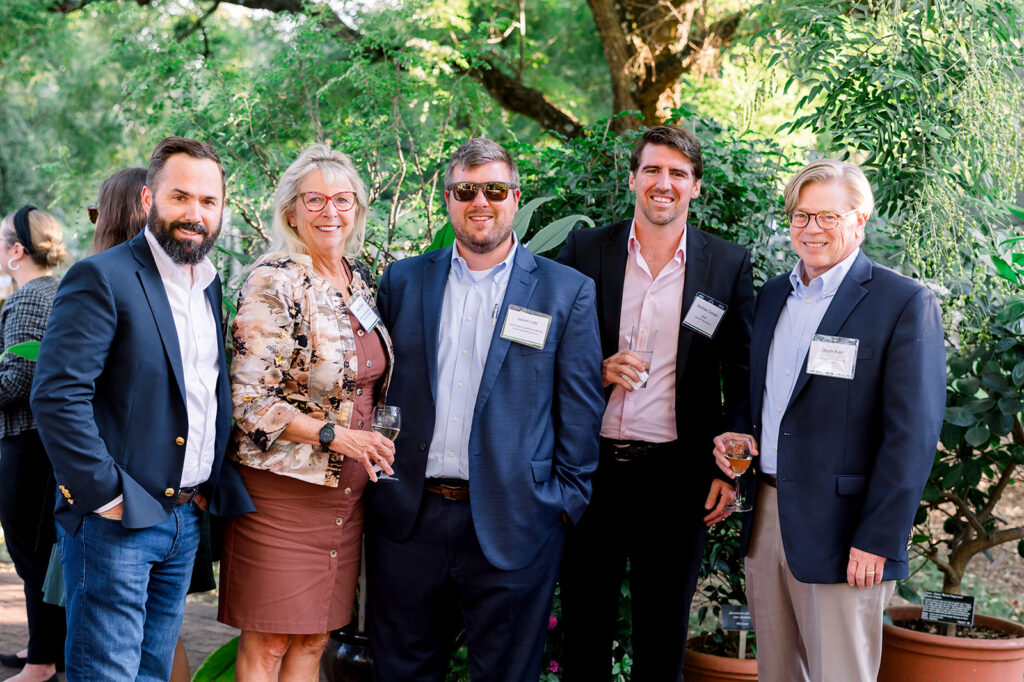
(198, 228)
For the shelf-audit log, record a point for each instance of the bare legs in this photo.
(270, 657)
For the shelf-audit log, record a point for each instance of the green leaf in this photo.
(968, 385)
(1004, 270)
(27, 349)
(219, 666)
(1010, 406)
(243, 258)
(553, 234)
(1018, 374)
(905, 590)
(442, 238)
(959, 416)
(1017, 211)
(977, 436)
(521, 223)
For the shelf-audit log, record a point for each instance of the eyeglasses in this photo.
(317, 201)
(493, 191)
(827, 220)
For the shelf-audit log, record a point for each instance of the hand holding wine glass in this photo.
(387, 421)
(738, 454)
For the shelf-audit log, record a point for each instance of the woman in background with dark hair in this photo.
(31, 246)
(120, 215)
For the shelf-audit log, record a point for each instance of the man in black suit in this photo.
(655, 487)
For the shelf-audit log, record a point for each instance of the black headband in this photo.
(21, 227)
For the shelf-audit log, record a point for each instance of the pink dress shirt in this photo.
(649, 413)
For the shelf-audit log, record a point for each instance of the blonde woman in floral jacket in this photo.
(310, 363)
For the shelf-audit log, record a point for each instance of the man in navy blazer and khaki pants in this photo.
(498, 375)
(847, 388)
(133, 403)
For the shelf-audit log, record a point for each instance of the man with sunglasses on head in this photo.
(655, 489)
(497, 372)
(847, 387)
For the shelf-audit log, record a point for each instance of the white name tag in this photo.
(366, 315)
(527, 327)
(832, 356)
(705, 314)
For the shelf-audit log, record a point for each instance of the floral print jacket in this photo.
(294, 352)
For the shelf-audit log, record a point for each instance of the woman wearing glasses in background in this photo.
(310, 362)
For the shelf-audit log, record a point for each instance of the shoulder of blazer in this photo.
(589, 237)
(723, 247)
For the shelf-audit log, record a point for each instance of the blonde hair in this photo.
(46, 235)
(335, 167)
(858, 189)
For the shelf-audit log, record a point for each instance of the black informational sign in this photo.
(940, 607)
(736, 618)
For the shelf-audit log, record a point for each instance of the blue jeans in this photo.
(125, 592)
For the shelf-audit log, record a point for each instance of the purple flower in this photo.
(552, 622)
(553, 664)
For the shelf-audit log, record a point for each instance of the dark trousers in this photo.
(26, 513)
(650, 511)
(421, 590)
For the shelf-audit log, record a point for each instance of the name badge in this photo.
(366, 315)
(527, 327)
(705, 314)
(832, 356)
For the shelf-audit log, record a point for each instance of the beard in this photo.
(182, 251)
(481, 243)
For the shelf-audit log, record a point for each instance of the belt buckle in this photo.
(190, 495)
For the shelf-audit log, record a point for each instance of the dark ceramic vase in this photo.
(347, 657)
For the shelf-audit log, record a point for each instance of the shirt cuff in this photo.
(110, 505)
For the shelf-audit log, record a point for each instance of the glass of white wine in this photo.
(387, 421)
(641, 342)
(737, 451)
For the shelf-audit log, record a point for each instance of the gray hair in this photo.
(335, 166)
(476, 152)
(826, 171)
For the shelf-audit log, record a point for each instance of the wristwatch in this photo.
(326, 435)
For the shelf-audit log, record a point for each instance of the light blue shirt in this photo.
(797, 325)
(469, 313)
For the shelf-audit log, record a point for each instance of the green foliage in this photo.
(28, 350)
(219, 666)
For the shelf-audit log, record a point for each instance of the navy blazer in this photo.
(712, 375)
(854, 455)
(108, 393)
(534, 445)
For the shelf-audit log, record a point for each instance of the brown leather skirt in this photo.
(291, 568)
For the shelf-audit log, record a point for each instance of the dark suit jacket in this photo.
(533, 446)
(706, 369)
(854, 455)
(109, 398)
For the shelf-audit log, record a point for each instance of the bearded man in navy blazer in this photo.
(847, 388)
(655, 489)
(498, 375)
(133, 402)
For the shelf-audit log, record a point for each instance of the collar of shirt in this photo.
(203, 273)
(825, 284)
(633, 246)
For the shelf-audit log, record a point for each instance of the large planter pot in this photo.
(347, 657)
(911, 656)
(700, 667)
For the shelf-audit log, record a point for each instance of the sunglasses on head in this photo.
(493, 191)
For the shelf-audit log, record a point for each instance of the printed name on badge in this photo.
(705, 314)
(367, 317)
(527, 327)
(832, 356)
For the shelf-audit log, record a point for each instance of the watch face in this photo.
(326, 434)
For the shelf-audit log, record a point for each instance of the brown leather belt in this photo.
(768, 479)
(185, 495)
(632, 450)
(453, 489)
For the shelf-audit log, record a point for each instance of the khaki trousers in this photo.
(808, 632)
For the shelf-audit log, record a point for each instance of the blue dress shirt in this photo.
(797, 325)
(472, 299)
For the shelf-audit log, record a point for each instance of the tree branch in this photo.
(520, 99)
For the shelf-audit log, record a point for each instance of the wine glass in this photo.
(737, 451)
(387, 421)
(641, 342)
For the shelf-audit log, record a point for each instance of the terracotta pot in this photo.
(699, 667)
(911, 656)
(347, 657)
